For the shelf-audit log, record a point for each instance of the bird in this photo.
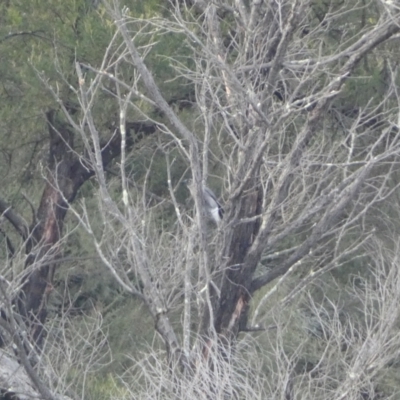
(213, 207)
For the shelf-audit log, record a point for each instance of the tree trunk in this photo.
(66, 174)
(231, 308)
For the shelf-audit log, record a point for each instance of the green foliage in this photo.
(105, 388)
(39, 38)
(44, 39)
(130, 329)
(367, 87)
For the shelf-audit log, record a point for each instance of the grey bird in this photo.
(213, 208)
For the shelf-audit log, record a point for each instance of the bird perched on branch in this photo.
(213, 208)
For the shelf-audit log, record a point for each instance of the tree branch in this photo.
(15, 219)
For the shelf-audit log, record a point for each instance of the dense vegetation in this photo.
(115, 282)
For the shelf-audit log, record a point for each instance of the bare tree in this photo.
(293, 166)
(300, 169)
(357, 339)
